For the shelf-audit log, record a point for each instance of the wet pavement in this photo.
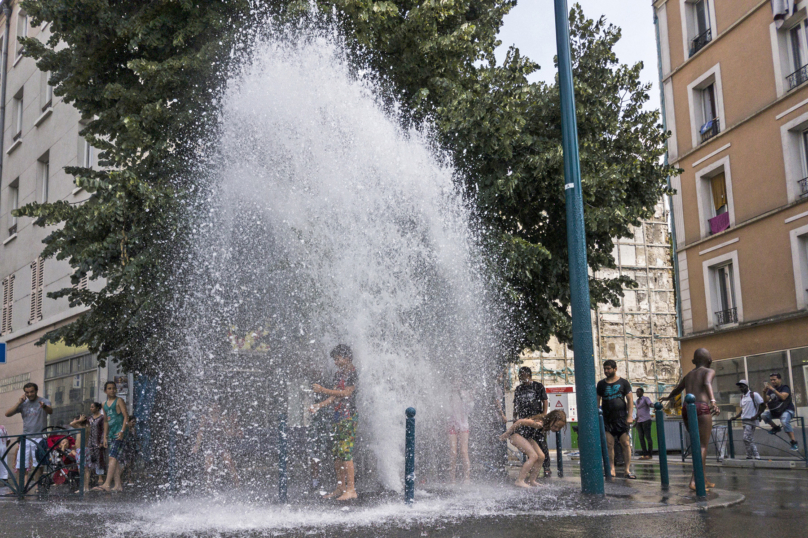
(775, 503)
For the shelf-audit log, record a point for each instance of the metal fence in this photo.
(50, 464)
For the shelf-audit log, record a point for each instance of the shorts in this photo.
(456, 428)
(701, 410)
(616, 428)
(116, 451)
(344, 438)
(31, 446)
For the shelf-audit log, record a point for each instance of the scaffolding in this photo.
(640, 333)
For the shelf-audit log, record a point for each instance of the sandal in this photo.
(631, 476)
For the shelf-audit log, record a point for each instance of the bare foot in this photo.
(522, 484)
(101, 488)
(533, 483)
(348, 495)
(336, 493)
(117, 490)
(613, 473)
(693, 487)
(709, 484)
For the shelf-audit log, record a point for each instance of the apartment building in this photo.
(40, 138)
(733, 74)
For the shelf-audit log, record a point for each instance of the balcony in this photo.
(710, 129)
(12, 229)
(797, 77)
(803, 183)
(700, 41)
(725, 317)
(719, 223)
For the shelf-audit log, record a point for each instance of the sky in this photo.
(531, 27)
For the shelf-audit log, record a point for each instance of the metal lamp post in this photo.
(592, 479)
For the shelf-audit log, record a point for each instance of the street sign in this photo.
(2, 352)
(563, 398)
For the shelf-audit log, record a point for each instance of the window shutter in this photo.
(8, 302)
(37, 268)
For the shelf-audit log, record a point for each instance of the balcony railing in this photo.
(725, 317)
(12, 229)
(710, 129)
(797, 77)
(803, 183)
(700, 41)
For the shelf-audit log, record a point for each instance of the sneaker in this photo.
(775, 430)
(757, 457)
(750, 458)
(794, 446)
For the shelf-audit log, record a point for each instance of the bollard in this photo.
(21, 479)
(283, 458)
(82, 463)
(604, 447)
(559, 460)
(663, 447)
(172, 457)
(695, 446)
(731, 441)
(804, 446)
(409, 457)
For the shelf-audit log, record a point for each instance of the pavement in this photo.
(746, 502)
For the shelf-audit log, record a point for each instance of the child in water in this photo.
(555, 421)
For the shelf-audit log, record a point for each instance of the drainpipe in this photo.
(7, 15)
(675, 257)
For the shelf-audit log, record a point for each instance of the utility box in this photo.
(563, 397)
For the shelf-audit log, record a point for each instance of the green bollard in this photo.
(731, 441)
(559, 455)
(604, 448)
(82, 462)
(283, 458)
(409, 457)
(663, 447)
(21, 480)
(695, 446)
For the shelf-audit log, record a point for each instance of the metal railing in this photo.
(718, 441)
(700, 41)
(714, 129)
(797, 77)
(779, 444)
(803, 183)
(48, 462)
(725, 317)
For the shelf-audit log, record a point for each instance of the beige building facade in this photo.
(40, 138)
(733, 75)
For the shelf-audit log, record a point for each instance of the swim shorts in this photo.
(344, 437)
(616, 428)
(701, 409)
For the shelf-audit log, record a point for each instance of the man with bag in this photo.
(752, 406)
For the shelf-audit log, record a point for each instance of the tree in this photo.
(147, 74)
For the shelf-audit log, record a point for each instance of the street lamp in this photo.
(592, 480)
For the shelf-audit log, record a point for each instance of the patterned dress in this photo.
(96, 454)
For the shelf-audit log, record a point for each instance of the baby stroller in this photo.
(58, 460)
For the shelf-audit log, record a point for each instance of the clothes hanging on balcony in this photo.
(781, 10)
(719, 223)
(706, 127)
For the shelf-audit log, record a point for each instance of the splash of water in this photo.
(333, 224)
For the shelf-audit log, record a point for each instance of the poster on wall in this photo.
(122, 383)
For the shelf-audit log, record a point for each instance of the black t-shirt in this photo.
(777, 406)
(528, 398)
(613, 399)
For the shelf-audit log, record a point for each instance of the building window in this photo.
(86, 155)
(13, 205)
(17, 119)
(44, 177)
(22, 31)
(714, 195)
(706, 106)
(799, 258)
(46, 92)
(796, 57)
(37, 271)
(71, 386)
(703, 31)
(723, 290)
(8, 303)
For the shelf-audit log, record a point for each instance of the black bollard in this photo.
(559, 458)
(663, 447)
(604, 447)
(409, 457)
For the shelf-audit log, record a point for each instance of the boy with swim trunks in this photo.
(343, 398)
(699, 383)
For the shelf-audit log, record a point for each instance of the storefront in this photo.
(71, 384)
(792, 364)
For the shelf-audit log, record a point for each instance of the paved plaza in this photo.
(749, 502)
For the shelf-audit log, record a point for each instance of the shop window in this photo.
(727, 373)
(760, 367)
(72, 385)
(799, 371)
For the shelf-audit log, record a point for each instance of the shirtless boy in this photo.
(699, 383)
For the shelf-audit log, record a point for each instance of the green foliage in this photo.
(147, 74)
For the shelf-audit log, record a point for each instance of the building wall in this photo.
(640, 333)
(761, 153)
(49, 133)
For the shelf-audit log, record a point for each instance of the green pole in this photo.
(695, 446)
(592, 480)
(663, 446)
(409, 457)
